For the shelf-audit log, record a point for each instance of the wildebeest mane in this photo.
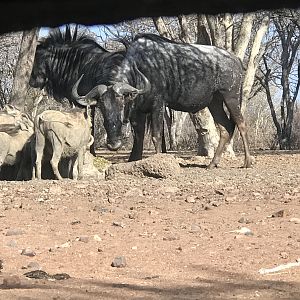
(60, 38)
(70, 54)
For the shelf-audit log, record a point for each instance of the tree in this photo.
(9, 50)
(281, 68)
(23, 68)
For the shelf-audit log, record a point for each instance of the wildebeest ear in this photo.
(102, 88)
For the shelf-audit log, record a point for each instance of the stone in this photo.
(244, 220)
(33, 265)
(83, 238)
(283, 255)
(190, 199)
(97, 238)
(119, 262)
(278, 214)
(295, 220)
(170, 238)
(118, 224)
(14, 231)
(28, 252)
(195, 228)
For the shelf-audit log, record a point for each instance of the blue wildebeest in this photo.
(60, 60)
(184, 77)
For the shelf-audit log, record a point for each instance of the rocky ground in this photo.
(167, 229)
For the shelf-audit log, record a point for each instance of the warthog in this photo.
(14, 134)
(62, 134)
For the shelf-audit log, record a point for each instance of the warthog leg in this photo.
(57, 147)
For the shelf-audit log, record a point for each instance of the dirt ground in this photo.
(179, 235)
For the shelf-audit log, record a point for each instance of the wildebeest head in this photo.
(61, 58)
(112, 99)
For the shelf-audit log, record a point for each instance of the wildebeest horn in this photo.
(89, 98)
(147, 84)
(124, 88)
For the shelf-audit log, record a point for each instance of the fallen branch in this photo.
(280, 268)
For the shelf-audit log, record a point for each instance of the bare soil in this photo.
(177, 233)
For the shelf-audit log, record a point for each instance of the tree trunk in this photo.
(161, 27)
(255, 56)
(208, 135)
(23, 68)
(244, 35)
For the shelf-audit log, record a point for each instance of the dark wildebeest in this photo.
(184, 77)
(62, 58)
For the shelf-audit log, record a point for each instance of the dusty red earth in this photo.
(177, 234)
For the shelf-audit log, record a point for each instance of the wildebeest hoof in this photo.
(249, 162)
(211, 166)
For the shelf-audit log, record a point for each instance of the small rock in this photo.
(283, 255)
(151, 277)
(64, 245)
(118, 224)
(295, 220)
(11, 282)
(132, 215)
(33, 265)
(244, 231)
(134, 248)
(278, 214)
(195, 228)
(97, 238)
(28, 252)
(219, 192)
(37, 274)
(190, 199)
(61, 276)
(14, 231)
(83, 238)
(75, 222)
(1, 264)
(244, 220)
(170, 189)
(170, 238)
(258, 208)
(12, 244)
(119, 262)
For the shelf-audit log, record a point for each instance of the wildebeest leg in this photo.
(39, 149)
(163, 143)
(157, 128)
(92, 147)
(138, 123)
(226, 127)
(238, 119)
